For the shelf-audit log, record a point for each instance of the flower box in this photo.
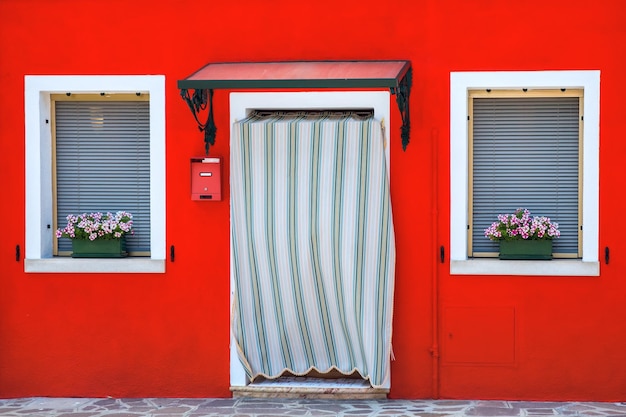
(522, 236)
(98, 235)
(526, 249)
(99, 248)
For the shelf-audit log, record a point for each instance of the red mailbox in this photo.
(206, 178)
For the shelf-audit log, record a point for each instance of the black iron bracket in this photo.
(403, 93)
(197, 102)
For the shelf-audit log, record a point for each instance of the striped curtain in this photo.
(313, 251)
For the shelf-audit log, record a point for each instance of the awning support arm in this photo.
(403, 92)
(198, 101)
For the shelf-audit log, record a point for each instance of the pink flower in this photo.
(520, 225)
(97, 226)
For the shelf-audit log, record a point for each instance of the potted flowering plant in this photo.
(98, 234)
(522, 236)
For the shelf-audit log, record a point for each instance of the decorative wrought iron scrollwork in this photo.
(197, 102)
(403, 92)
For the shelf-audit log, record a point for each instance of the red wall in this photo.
(168, 334)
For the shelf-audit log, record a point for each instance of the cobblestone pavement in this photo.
(254, 407)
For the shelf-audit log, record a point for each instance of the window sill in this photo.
(71, 265)
(555, 267)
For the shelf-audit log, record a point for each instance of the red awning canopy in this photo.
(298, 74)
(395, 75)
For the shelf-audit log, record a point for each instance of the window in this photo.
(102, 160)
(472, 197)
(54, 149)
(525, 153)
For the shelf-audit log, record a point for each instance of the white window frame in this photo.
(242, 104)
(39, 199)
(460, 84)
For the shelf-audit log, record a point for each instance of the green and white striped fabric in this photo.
(313, 251)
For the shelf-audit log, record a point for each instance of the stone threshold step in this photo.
(306, 387)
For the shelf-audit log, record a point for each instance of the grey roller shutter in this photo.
(526, 154)
(103, 163)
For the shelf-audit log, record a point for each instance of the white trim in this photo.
(39, 238)
(460, 84)
(70, 265)
(555, 267)
(241, 104)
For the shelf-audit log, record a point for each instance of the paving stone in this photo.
(145, 409)
(449, 409)
(264, 411)
(537, 404)
(106, 403)
(269, 404)
(357, 414)
(193, 401)
(117, 414)
(37, 414)
(445, 403)
(484, 411)
(217, 411)
(427, 415)
(68, 404)
(135, 402)
(203, 414)
(539, 411)
(77, 414)
(270, 415)
(93, 408)
(17, 402)
(165, 402)
(328, 407)
(225, 402)
(492, 403)
(165, 415)
(550, 414)
(171, 410)
(610, 406)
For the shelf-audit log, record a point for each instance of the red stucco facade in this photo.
(168, 334)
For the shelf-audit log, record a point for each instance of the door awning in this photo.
(392, 74)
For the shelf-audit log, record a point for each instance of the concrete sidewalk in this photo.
(268, 407)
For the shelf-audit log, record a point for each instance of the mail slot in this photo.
(206, 178)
